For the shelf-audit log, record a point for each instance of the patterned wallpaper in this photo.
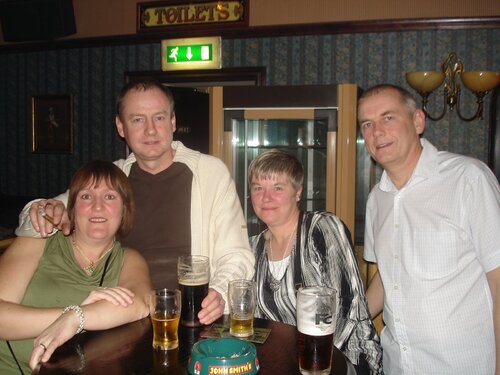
(93, 76)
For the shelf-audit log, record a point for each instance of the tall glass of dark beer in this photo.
(316, 326)
(193, 275)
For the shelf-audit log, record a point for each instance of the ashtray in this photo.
(223, 356)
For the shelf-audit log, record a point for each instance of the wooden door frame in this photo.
(246, 76)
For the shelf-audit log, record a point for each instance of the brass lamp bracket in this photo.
(479, 82)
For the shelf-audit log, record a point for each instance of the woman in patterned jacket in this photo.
(301, 248)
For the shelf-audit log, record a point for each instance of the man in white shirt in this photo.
(433, 228)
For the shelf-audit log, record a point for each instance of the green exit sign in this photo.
(191, 53)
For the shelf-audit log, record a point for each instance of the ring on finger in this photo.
(41, 210)
(43, 346)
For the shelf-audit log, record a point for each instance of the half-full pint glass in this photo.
(242, 301)
(165, 312)
(316, 326)
(193, 275)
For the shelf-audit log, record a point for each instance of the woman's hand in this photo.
(118, 296)
(66, 325)
(60, 331)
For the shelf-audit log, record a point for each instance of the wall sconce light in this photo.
(479, 82)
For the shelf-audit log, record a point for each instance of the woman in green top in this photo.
(52, 289)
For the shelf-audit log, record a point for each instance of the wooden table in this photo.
(128, 350)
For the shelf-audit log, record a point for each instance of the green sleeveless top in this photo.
(59, 281)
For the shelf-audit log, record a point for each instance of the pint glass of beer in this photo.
(193, 275)
(315, 325)
(242, 300)
(165, 312)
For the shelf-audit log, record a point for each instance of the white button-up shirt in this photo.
(434, 240)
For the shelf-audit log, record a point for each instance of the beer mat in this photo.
(217, 330)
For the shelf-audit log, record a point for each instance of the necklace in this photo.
(275, 283)
(89, 270)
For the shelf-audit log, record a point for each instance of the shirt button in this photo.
(396, 256)
(404, 348)
(397, 320)
(396, 287)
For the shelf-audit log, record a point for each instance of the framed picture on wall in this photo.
(52, 129)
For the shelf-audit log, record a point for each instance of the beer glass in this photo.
(165, 312)
(242, 300)
(193, 275)
(316, 325)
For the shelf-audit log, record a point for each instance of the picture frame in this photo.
(52, 124)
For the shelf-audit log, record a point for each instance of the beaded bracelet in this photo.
(78, 310)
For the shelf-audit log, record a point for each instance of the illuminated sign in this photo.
(191, 53)
(163, 15)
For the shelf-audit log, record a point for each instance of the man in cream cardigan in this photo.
(186, 202)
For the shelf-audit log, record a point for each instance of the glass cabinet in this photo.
(304, 121)
(304, 138)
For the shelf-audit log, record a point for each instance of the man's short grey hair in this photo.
(406, 97)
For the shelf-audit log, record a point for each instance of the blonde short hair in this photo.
(275, 162)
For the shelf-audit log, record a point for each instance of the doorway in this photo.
(192, 115)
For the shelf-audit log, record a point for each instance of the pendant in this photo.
(89, 270)
(273, 283)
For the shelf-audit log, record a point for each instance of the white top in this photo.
(434, 241)
(278, 267)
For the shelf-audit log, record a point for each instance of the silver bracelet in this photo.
(78, 310)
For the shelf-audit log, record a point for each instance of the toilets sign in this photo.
(191, 53)
(181, 14)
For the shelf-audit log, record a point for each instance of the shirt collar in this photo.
(425, 168)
